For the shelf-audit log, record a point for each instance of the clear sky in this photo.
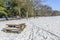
(55, 4)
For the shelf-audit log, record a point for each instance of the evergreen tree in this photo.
(3, 9)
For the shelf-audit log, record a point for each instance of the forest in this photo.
(25, 8)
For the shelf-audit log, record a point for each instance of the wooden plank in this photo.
(12, 24)
(15, 24)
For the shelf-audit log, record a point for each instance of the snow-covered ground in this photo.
(39, 28)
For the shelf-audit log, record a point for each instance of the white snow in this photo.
(39, 28)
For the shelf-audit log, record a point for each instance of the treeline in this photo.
(25, 8)
(46, 11)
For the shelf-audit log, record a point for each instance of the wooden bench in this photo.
(14, 28)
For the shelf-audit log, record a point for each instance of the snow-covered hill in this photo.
(39, 28)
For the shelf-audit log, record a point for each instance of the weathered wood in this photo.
(14, 29)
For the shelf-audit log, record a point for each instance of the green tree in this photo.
(19, 7)
(3, 9)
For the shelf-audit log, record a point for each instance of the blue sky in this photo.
(55, 4)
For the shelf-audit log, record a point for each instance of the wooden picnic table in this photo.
(15, 27)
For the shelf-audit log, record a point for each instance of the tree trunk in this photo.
(27, 15)
(19, 11)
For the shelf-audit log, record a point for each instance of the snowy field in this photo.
(39, 28)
